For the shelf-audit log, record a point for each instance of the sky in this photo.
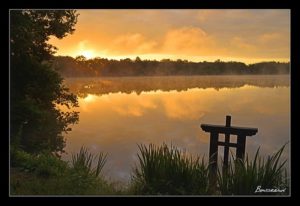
(195, 35)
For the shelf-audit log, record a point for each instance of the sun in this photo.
(89, 98)
(89, 54)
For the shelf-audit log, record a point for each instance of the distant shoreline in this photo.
(82, 67)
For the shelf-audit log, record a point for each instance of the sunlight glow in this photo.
(193, 35)
(89, 98)
(89, 54)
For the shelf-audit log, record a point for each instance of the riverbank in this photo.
(162, 170)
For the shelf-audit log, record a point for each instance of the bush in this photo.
(50, 165)
(22, 159)
(45, 164)
(46, 174)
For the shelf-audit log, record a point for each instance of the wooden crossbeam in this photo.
(229, 130)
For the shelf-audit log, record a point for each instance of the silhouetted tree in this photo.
(80, 58)
(138, 59)
(36, 124)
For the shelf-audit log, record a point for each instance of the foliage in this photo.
(162, 170)
(82, 177)
(46, 174)
(35, 88)
(31, 29)
(44, 165)
(22, 159)
(30, 184)
(82, 67)
(243, 176)
(169, 171)
(82, 162)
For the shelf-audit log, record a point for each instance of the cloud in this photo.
(188, 40)
(132, 43)
(270, 37)
(241, 43)
(82, 44)
(194, 34)
(206, 15)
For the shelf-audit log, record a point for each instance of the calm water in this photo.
(116, 114)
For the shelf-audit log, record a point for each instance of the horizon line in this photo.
(174, 60)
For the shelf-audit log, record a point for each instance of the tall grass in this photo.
(48, 175)
(84, 174)
(166, 170)
(82, 162)
(244, 176)
(160, 170)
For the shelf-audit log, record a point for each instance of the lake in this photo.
(118, 113)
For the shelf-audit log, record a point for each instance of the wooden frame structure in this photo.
(240, 145)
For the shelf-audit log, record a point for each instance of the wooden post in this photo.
(241, 146)
(213, 158)
(226, 147)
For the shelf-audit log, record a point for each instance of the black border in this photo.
(169, 4)
(152, 4)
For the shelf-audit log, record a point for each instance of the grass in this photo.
(160, 170)
(82, 162)
(31, 184)
(46, 174)
(243, 176)
(166, 170)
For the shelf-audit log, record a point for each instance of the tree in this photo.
(36, 90)
(80, 58)
(138, 59)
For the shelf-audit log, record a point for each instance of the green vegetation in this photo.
(37, 125)
(161, 170)
(82, 162)
(97, 67)
(243, 176)
(46, 174)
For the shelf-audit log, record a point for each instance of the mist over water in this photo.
(116, 114)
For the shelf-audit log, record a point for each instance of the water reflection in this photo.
(84, 86)
(117, 122)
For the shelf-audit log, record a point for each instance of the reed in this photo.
(82, 162)
(244, 176)
(166, 170)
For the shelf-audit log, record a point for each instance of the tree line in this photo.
(82, 67)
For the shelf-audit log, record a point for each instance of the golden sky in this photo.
(195, 35)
